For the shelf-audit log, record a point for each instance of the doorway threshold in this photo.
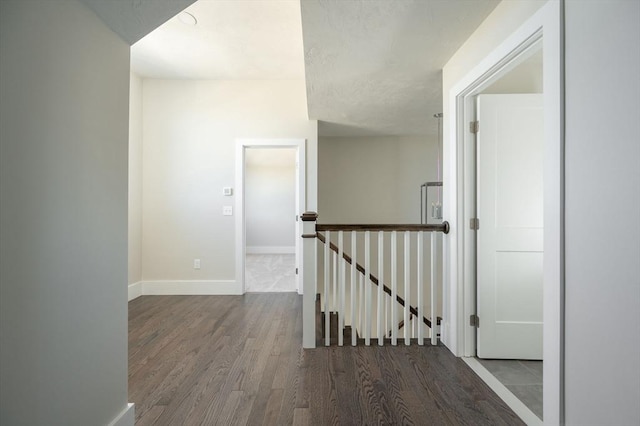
(518, 407)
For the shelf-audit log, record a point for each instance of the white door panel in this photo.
(510, 253)
(523, 240)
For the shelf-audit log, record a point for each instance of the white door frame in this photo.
(301, 184)
(544, 26)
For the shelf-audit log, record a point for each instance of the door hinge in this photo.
(474, 321)
(296, 218)
(474, 127)
(296, 271)
(474, 223)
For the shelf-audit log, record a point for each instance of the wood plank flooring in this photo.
(238, 360)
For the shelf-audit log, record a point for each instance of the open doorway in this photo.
(509, 136)
(541, 31)
(270, 176)
(270, 210)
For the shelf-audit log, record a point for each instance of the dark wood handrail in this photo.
(374, 279)
(442, 227)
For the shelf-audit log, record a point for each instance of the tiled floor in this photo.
(522, 378)
(270, 272)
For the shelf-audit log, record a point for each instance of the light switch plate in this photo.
(227, 191)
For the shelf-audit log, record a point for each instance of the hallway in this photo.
(238, 360)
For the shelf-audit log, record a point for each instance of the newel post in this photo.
(309, 276)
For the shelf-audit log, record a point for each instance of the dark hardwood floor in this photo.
(236, 360)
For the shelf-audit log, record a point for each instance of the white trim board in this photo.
(135, 290)
(505, 394)
(271, 250)
(126, 417)
(184, 288)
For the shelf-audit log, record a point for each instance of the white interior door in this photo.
(509, 240)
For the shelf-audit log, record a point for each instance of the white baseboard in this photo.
(271, 250)
(184, 288)
(135, 290)
(126, 417)
(505, 394)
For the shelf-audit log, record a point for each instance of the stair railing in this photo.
(359, 285)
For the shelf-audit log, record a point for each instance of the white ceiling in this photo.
(232, 40)
(372, 67)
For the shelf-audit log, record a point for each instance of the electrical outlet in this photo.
(227, 211)
(196, 263)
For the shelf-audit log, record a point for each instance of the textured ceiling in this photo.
(133, 19)
(232, 40)
(374, 67)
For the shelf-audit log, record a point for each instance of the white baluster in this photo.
(361, 301)
(367, 287)
(341, 262)
(394, 288)
(407, 287)
(389, 317)
(420, 281)
(434, 292)
(381, 292)
(334, 282)
(327, 277)
(353, 287)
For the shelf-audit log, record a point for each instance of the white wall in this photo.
(374, 179)
(64, 83)
(189, 131)
(135, 179)
(602, 329)
(270, 199)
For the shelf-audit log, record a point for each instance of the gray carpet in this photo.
(270, 273)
